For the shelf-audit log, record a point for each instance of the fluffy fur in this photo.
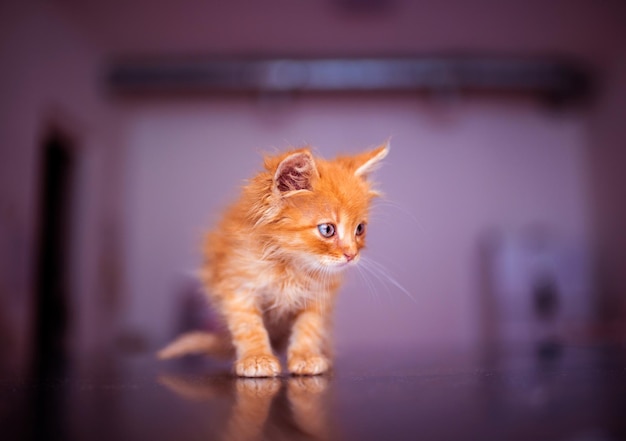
(274, 264)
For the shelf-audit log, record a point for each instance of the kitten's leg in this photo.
(306, 354)
(251, 341)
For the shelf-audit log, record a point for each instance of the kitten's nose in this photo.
(349, 256)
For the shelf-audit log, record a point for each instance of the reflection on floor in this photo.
(566, 393)
(297, 404)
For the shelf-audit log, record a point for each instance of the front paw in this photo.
(264, 365)
(307, 364)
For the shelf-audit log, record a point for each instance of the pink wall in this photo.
(456, 170)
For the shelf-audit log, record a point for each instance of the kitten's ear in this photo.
(367, 162)
(295, 172)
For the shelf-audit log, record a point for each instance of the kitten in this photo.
(273, 265)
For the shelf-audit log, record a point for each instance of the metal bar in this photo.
(550, 78)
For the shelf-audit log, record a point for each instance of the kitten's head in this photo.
(316, 211)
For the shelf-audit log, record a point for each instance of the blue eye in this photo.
(326, 230)
(360, 229)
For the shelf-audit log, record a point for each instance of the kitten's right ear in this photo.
(368, 162)
(295, 172)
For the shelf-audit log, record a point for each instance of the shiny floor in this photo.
(539, 393)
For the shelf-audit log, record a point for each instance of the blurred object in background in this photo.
(52, 319)
(559, 83)
(192, 308)
(537, 288)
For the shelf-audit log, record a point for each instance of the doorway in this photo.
(52, 315)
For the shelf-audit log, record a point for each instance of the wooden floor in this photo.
(538, 393)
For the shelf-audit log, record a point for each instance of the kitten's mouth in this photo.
(345, 263)
(334, 264)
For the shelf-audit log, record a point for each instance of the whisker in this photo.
(384, 272)
(368, 283)
(382, 281)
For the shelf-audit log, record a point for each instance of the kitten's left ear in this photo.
(367, 162)
(295, 172)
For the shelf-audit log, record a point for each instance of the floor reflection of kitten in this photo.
(264, 408)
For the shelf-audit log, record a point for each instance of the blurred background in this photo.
(126, 126)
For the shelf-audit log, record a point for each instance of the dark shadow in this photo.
(51, 304)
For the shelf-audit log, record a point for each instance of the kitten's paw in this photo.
(257, 366)
(303, 364)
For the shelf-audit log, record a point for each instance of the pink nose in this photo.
(349, 257)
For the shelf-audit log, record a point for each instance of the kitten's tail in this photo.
(198, 342)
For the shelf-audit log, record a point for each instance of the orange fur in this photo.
(270, 271)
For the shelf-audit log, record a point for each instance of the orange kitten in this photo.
(274, 264)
